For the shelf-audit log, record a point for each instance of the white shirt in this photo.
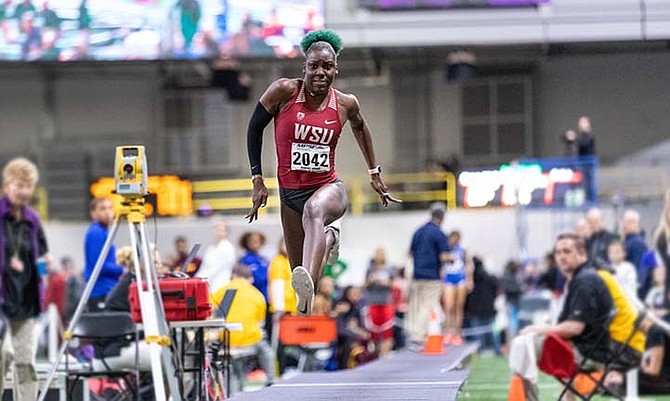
(217, 264)
(626, 275)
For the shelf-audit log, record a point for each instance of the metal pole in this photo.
(53, 327)
(150, 271)
(632, 386)
(80, 307)
(149, 317)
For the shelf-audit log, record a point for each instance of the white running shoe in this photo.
(334, 254)
(303, 285)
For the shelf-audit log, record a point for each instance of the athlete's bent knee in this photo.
(312, 211)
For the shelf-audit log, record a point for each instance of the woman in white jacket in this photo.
(219, 260)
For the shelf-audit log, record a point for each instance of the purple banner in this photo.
(444, 4)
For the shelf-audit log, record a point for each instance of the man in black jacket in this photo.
(600, 238)
(581, 322)
(586, 141)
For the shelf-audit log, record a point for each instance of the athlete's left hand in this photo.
(378, 185)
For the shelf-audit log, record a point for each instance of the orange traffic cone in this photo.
(516, 392)
(434, 339)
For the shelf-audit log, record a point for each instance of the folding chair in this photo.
(100, 329)
(310, 334)
(557, 359)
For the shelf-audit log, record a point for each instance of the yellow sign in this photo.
(174, 197)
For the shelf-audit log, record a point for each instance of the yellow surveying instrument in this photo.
(130, 176)
(130, 171)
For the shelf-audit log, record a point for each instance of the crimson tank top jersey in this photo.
(306, 141)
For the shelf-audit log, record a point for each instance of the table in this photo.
(200, 354)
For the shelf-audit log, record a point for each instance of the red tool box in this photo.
(183, 299)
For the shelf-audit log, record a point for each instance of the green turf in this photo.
(489, 381)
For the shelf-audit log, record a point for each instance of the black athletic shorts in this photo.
(295, 199)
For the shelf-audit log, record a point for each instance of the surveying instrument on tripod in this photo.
(130, 176)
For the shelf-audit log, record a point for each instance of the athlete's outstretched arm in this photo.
(362, 133)
(266, 109)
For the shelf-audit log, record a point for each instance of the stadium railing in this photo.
(416, 190)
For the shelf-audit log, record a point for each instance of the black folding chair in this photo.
(100, 330)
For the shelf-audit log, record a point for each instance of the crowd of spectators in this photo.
(374, 316)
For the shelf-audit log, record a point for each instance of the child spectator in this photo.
(624, 271)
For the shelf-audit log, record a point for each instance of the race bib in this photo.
(309, 157)
(455, 267)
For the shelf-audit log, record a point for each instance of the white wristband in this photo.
(376, 170)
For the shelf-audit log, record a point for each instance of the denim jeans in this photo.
(512, 322)
(485, 324)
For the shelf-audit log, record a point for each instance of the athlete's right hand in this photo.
(380, 187)
(259, 198)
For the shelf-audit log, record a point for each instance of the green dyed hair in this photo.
(323, 35)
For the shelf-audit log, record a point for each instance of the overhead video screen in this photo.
(445, 4)
(71, 30)
(533, 183)
(108, 30)
(251, 28)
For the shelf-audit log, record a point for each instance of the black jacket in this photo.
(480, 302)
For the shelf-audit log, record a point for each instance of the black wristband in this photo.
(259, 120)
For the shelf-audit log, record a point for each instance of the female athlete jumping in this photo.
(308, 118)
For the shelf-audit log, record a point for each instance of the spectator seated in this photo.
(626, 342)
(109, 333)
(586, 324)
(239, 302)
